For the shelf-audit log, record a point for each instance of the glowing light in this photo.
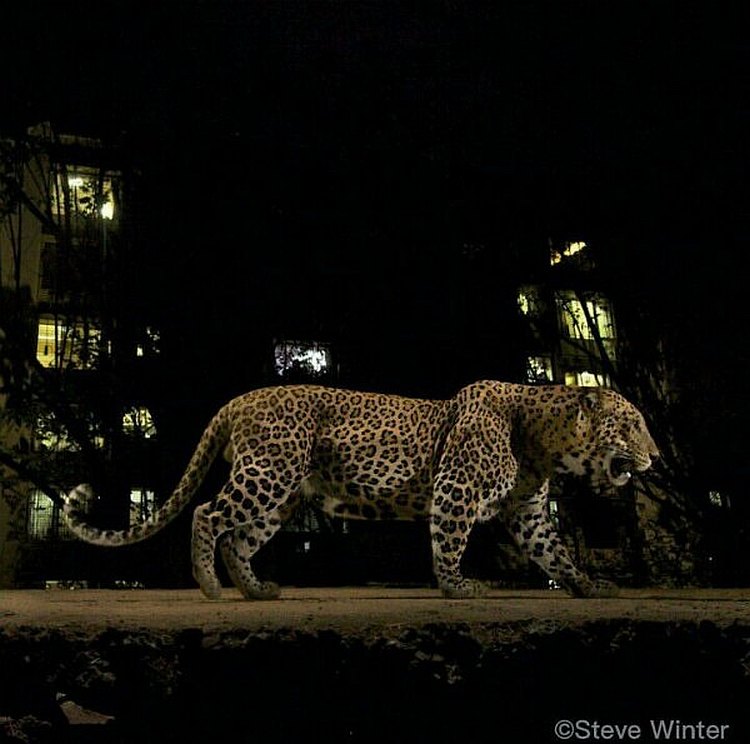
(107, 210)
(138, 421)
(538, 369)
(523, 303)
(585, 379)
(529, 301)
(311, 358)
(569, 249)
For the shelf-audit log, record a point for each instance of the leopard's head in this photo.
(615, 434)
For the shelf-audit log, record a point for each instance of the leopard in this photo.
(490, 451)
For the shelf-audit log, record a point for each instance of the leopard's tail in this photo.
(213, 440)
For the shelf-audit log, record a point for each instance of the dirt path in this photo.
(353, 609)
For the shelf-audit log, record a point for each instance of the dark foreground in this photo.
(374, 665)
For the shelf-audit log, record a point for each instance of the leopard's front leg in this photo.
(450, 525)
(529, 522)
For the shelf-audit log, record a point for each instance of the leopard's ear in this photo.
(589, 399)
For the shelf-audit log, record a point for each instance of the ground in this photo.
(354, 609)
(371, 664)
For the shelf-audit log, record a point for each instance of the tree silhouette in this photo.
(67, 340)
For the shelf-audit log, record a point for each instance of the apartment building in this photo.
(65, 254)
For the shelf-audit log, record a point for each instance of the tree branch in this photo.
(31, 476)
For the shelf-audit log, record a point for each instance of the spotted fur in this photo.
(489, 451)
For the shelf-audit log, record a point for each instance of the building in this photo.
(66, 256)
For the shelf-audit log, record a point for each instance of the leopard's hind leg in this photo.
(239, 547)
(242, 519)
(203, 547)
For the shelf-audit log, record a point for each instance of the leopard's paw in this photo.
(465, 589)
(595, 589)
(262, 590)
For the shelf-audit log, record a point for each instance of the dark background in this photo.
(357, 171)
(384, 175)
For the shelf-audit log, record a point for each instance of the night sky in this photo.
(297, 152)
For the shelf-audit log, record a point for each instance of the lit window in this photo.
(83, 191)
(529, 302)
(538, 369)
(581, 319)
(568, 249)
(716, 498)
(51, 436)
(61, 344)
(142, 505)
(47, 341)
(139, 422)
(311, 359)
(107, 210)
(44, 521)
(586, 379)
